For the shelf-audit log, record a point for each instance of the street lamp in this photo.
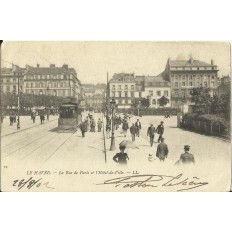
(18, 121)
(112, 106)
(139, 105)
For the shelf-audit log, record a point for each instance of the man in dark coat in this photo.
(138, 126)
(125, 127)
(83, 128)
(151, 134)
(121, 158)
(186, 157)
(99, 125)
(162, 150)
(160, 130)
(133, 131)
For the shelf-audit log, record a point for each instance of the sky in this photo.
(92, 60)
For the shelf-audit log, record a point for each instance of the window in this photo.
(176, 84)
(183, 83)
(21, 80)
(119, 94)
(126, 94)
(158, 93)
(153, 102)
(212, 84)
(31, 85)
(166, 93)
(190, 83)
(126, 101)
(151, 93)
(27, 85)
(132, 87)
(113, 87)
(113, 94)
(7, 88)
(41, 84)
(205, 83)
(65, 77)
(212, 77)
(21, 87)
(120, 101)
(119, 87)
(14, 87)
(63, 93)
(126, 87)
(140, 94)
(7, 80)
(132, 94)
(14, 80)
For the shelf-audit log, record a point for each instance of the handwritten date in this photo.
(30, 183)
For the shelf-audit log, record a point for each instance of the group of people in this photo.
(89, 124)
(12, 118)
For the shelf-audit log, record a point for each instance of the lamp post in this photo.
(112, 106)
(18, 120)
(139, 105)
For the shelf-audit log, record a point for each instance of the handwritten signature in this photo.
(29, 183)
(144, 181)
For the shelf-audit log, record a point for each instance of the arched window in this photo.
(153, 102)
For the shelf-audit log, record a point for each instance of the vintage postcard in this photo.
(115, 116)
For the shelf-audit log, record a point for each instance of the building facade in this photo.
(156, 87)
(52, 80)
(122, 88)
(12, 79)
(95, 96)
(225, 86)
(184, 75)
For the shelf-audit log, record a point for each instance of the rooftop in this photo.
(123, 77)
(190, 62)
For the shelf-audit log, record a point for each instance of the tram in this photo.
(69, 116)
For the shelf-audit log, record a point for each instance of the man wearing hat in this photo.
(186, 158)
(138, 126)
(160, 130)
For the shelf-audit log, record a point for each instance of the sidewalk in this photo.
(137, 157)
(25, 123)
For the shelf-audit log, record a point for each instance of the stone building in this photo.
(122, 88)
(95, 96)
(12, 79)
(52, 80)
(184, 75)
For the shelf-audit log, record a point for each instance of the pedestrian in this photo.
(11, 120)
(14, 118)
(83, 128)
(121, 157)
(186, 157)
(33, 117)
(133, 131)
(93, 125)
(125, 127)
(42, 118)
(162, 150)
(138, 126)
(151, 134)
(108, 129)
(160, 130)
(99, 125)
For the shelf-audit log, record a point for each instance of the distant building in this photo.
(184, 75)
(52, 80)
(12, 79)
(95, 97)
(155, 88)
(122, 89)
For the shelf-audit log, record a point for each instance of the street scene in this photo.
(128, 123)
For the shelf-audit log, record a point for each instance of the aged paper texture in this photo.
(115, 116)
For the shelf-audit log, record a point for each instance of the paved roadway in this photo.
(41, 146)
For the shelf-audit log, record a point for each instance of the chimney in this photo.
(191, 60)
(52, 66)
(212, 62)
(65, 66)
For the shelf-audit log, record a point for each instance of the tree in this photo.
(143, 102)
(202, 98)
(163, 101)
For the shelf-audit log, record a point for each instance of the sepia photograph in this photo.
(115, 116)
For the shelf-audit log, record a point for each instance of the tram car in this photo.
(69, 116)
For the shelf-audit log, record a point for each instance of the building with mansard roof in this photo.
(122, 89)
(184, 75)
(52, 80)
